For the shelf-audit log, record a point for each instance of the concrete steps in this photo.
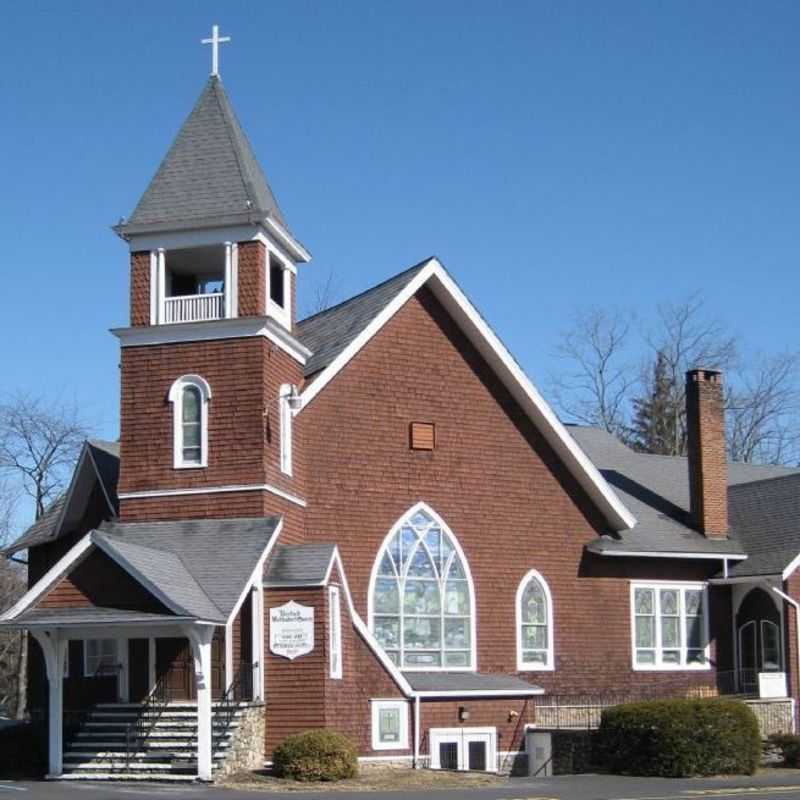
(98, 750)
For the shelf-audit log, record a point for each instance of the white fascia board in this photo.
(297, 250)
(211, 330)
(791, 567)
(246, 487)
(494, 351)
(649, 554)
(258, 571)
(367, 636)
(532, 692)
(198, 237)
(151, 587)
(58, 570)
(82, 459)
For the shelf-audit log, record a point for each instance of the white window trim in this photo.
(660, 666)
(421, 506)
(286, 429)
(176, 398)
(522, 665)
(377, 707)
(335, 632)
(281, 314)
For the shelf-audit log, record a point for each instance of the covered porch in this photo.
(138, 618)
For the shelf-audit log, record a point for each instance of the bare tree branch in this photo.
(324, 295)
(763, 411)
(39, 444)
(595, 382)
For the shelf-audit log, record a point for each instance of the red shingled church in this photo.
(370, 520)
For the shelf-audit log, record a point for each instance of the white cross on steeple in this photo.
(215, 41)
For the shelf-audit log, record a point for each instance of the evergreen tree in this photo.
(657, 425)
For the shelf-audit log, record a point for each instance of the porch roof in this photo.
(94, 615)
(299, 565)
(449, 684)
(201, 566)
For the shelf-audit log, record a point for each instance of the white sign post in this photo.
(771, 684)
(291, 630)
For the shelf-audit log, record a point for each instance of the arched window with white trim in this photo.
(421, 600)
(189, 396)
(534, 623)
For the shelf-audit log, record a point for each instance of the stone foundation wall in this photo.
(774, 716)
(246, 751)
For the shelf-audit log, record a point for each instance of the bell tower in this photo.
(210, 367)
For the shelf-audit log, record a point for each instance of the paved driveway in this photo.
(778, 786)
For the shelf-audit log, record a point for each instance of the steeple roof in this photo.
(209, 175)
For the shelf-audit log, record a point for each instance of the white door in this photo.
(464, 749)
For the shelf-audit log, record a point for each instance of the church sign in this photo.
(291, 630)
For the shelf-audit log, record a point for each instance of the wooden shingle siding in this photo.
(99, 581)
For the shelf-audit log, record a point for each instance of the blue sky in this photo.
(551, 154)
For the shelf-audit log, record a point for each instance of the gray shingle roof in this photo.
(328, 333)
(86, 616)
(656, 490)
(103, 466)
(293, 565)
(472, 682)
(166, 571)
(766, 515)
(209, 172)
(219, 555)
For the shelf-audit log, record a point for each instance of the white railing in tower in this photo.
(194, 307)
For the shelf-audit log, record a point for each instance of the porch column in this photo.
(228, 283)
(54, 649)
(161, 284)
(200, 636)
(257, 638)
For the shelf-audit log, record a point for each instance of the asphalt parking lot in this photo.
(781, 784)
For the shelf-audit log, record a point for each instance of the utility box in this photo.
(539, 746)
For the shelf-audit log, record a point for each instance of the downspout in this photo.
(417, 707)
(796, 607)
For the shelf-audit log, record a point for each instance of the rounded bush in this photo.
(680, 738)
(318, 755)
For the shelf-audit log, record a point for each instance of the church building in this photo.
(370, 520)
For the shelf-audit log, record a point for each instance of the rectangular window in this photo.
(100, 655)
(286, 430)
(389, 725)
(276, 287)
(335, 630)
(422, 436)
(669, 626)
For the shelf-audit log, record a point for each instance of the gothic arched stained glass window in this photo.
(421, 602)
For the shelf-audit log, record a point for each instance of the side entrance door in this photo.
(174, 659)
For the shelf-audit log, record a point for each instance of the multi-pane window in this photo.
(770, 646)
(189, 396)
(191, 425)
(534, 624)
(670, 627)
(99, 655)
(422, 600)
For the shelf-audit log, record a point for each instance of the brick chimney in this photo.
(708, 464)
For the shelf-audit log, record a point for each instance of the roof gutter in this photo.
(725, 557)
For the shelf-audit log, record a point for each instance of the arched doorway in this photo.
(758, 638)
